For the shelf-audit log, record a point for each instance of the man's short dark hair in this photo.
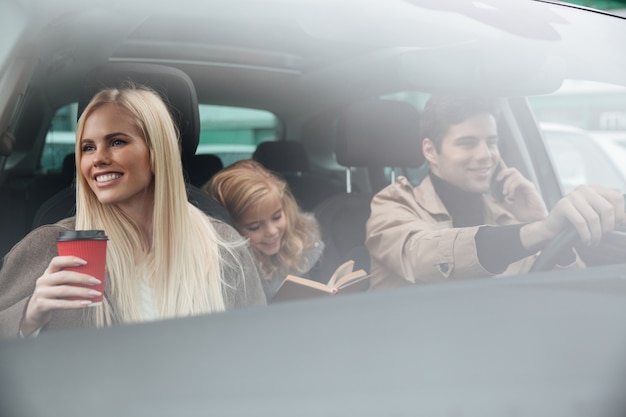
(441, 112)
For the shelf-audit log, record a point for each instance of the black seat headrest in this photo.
(282, 156)
(68, 170)
(379, 133)
(202, 167)
(174, 86)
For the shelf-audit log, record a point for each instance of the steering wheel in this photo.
(549, 255)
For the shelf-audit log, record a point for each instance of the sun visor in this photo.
(470, 70)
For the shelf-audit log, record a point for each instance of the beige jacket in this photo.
(29, 258)
(411, 239)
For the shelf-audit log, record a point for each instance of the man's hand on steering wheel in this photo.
(591, 210)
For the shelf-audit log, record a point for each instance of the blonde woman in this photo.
(284, 239)
(165, 258)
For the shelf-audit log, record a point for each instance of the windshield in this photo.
(330, 207)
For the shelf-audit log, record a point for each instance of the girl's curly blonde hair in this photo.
(247, 183)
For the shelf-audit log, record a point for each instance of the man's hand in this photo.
(520, 196)
(592, 210)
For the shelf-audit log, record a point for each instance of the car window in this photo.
(232, 133)
(594, 106)
(444, 331)
(415, 98)
(60, 139)
(584, 128)
(580, 158)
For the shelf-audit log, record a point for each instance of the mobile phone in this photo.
(496, 187)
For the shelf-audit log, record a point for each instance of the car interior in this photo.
(339, 87)
(40, 196)
(335, 150)
(340, 207)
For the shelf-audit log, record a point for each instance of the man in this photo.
(472, 216)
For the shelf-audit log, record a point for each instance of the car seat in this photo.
(179, 94)
(202, 167)
(44, 186)
(290, 160)
(372, 134)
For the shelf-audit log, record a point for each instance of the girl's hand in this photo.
(53, 289)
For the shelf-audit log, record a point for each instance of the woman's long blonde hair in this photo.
(183, 265)
(247, 183)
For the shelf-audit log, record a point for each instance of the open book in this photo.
(343, 280)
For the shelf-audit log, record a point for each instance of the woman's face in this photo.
(264, 224)
(115, 159)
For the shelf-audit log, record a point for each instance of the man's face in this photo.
(469, 153)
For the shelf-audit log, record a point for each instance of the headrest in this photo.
(282, 156)
(174, 86)
(202, 167)
(68, 170)
(379, 133)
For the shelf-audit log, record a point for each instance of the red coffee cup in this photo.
(90, 245)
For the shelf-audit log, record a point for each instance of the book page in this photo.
(341, 271)
(294, 288)
(344, 279)
(351, 278)
(306, 282)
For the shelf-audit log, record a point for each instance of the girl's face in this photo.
(115, 159)
(264, 224)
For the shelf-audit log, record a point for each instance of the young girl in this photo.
(284, 239)
(165, 258)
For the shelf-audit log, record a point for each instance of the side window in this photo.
(578, 159)
(60, 139)
(415, 98)
(232, 133)
(584, 128)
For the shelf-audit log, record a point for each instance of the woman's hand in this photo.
(520, 196)
(53, 289)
